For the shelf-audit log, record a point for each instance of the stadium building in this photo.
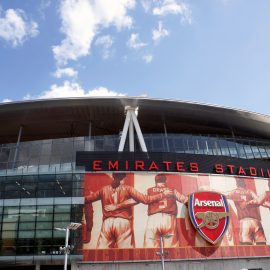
(137, 175)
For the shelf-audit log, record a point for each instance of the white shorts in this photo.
(161, 224)
(116, 233)
(251, 231)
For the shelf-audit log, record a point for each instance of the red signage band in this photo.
(171, 162)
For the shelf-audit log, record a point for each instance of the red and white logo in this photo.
(209, 213)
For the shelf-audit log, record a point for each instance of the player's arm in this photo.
(124, 204)
(258, 200)
(147, 199)
(230, 195)
(251, 203)
(93, 196)
(266, 204)
(180, 197)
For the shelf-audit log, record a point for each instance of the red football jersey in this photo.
(109, 195)
(244, 195)
(166, 205)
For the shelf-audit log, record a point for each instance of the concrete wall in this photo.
(229, 264)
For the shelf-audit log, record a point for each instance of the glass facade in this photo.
(58, 155)
(33, 206)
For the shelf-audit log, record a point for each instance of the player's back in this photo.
(244, 195)
(166, 205)
(116, 196)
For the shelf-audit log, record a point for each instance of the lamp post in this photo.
(66, 249)
(161, 253)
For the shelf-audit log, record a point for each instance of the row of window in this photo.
(34, 229)
(41, 246)
(31, 209)
(41, 186)
(59, 154)
(28, 216)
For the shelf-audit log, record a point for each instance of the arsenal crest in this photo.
(209, 213)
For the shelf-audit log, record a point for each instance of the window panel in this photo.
(26, 234)
(11, 210)
(262, 151)
(62, 217)
(60, 224)
(62, 208)
(26, 250)
(28, 213)
(255, 151)
(59, 234)
(30, 179)
(27, 226)
(232, 149)
(241, 151)
(43, 233)
(44, 225)
(9, 234)
(45, 217)
(35, 150)
(10, 226)
(4, 154)
(46, 149)
(44, 209)
(267, 149)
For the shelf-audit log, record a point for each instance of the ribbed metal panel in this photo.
(57, 118)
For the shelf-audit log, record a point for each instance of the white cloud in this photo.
(65, 72)
(43, 6)
(146, 4)
(134, 42)
(82, 19)
(159, 33)
(103, 91)
(106, 43)
(15, 27)
(73, 89)
(6, 100)
(166, 7)
(114, 12)
(148, 58)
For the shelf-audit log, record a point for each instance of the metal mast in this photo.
(131, 122)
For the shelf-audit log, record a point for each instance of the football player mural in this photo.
(251, 230)
(127, 215)
(117, 227)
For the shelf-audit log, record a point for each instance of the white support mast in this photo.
(131, 122)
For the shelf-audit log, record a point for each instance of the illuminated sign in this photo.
(171, 162)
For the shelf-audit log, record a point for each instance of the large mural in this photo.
(127, 216)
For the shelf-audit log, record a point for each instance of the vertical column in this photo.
(124, 132)
(17, 147)
(131, 136)
(37, 266)
(138, 131)
(66, 249)
(166, 136)
(236, 144)
(89, 136)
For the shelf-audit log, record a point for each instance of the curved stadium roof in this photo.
(59, 118)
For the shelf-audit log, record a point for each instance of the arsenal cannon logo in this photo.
(209, 213)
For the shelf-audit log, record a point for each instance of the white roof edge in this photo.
(136, 98)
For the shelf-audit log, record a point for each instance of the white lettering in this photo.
(209, 203)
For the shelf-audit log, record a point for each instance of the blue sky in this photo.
(210, 51)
